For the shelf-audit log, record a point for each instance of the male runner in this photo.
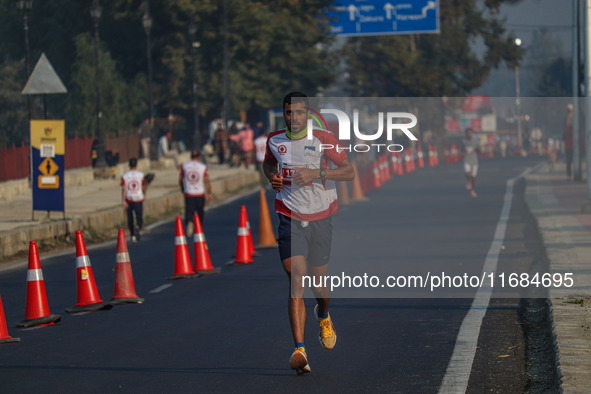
(470, 160)
(304, 177)
(134, 186)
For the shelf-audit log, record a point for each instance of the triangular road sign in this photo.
(43, 79)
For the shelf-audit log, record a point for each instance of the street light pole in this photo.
(24, 7)
(96, 12)
(575, 125)
(226, 60)
(147, 23)
(194, 46)
(518, 42)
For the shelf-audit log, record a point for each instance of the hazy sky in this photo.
(522, 20)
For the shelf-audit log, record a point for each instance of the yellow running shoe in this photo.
(299, 361)
(327, 335)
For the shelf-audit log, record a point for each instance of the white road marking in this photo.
(160, 288)
(458, 370)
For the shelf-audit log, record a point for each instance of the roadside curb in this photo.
(560, 234)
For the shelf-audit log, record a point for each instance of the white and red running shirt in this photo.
(314, 201)
(133, 180)
(193, 174)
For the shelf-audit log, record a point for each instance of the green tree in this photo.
(13, 105)
(444, 64)
(122, 103)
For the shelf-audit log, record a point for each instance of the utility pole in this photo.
(577, 174)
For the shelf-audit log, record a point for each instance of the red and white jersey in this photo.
(260, 144)
(133, 180)
(314, 201)
(193, 174)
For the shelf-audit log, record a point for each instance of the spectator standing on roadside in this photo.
(567, 137)
(194, 182)
(220, 142)
(164, 145)
(258, 129)
(134, 186)
(246, 144)
(260, 144)
(145, 132)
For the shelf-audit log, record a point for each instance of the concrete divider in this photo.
(109, 220)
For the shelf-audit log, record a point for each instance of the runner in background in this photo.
(470, 160)
(194, 182)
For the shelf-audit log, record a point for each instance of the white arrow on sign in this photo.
(352, 10)
(388, 8)
(431, 5)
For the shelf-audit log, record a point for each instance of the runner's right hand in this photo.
(277, 181)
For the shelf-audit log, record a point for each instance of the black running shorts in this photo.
(310, 239)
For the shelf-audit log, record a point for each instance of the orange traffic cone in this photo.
(200, 251)
(400, 164)
(266, 236)
(420, 159)
(357, 192)
(393, 163)
(4, 337)
(86, 292)
(124, 285)
(182, 259)
(436, 155)
(365, 179)
(376, 176)
(343, 192)
(387, 168)
(243, 255)
(251, 248)
(36, 307)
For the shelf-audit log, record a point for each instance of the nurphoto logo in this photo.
(394, 121)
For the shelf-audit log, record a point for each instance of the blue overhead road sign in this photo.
(381, 17)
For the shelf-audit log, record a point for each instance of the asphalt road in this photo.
(230, 332)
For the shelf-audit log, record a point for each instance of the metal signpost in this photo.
(383, 17)
(48, 143)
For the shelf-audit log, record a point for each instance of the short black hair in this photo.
(132, 162)
(195, 154)
(295, 97)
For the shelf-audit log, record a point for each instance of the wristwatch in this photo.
(322, 173)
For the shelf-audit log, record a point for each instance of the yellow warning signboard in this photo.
(48, 179)
(48, 167)
(48, 147)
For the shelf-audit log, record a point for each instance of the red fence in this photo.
(78, 152)
(14, 161)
